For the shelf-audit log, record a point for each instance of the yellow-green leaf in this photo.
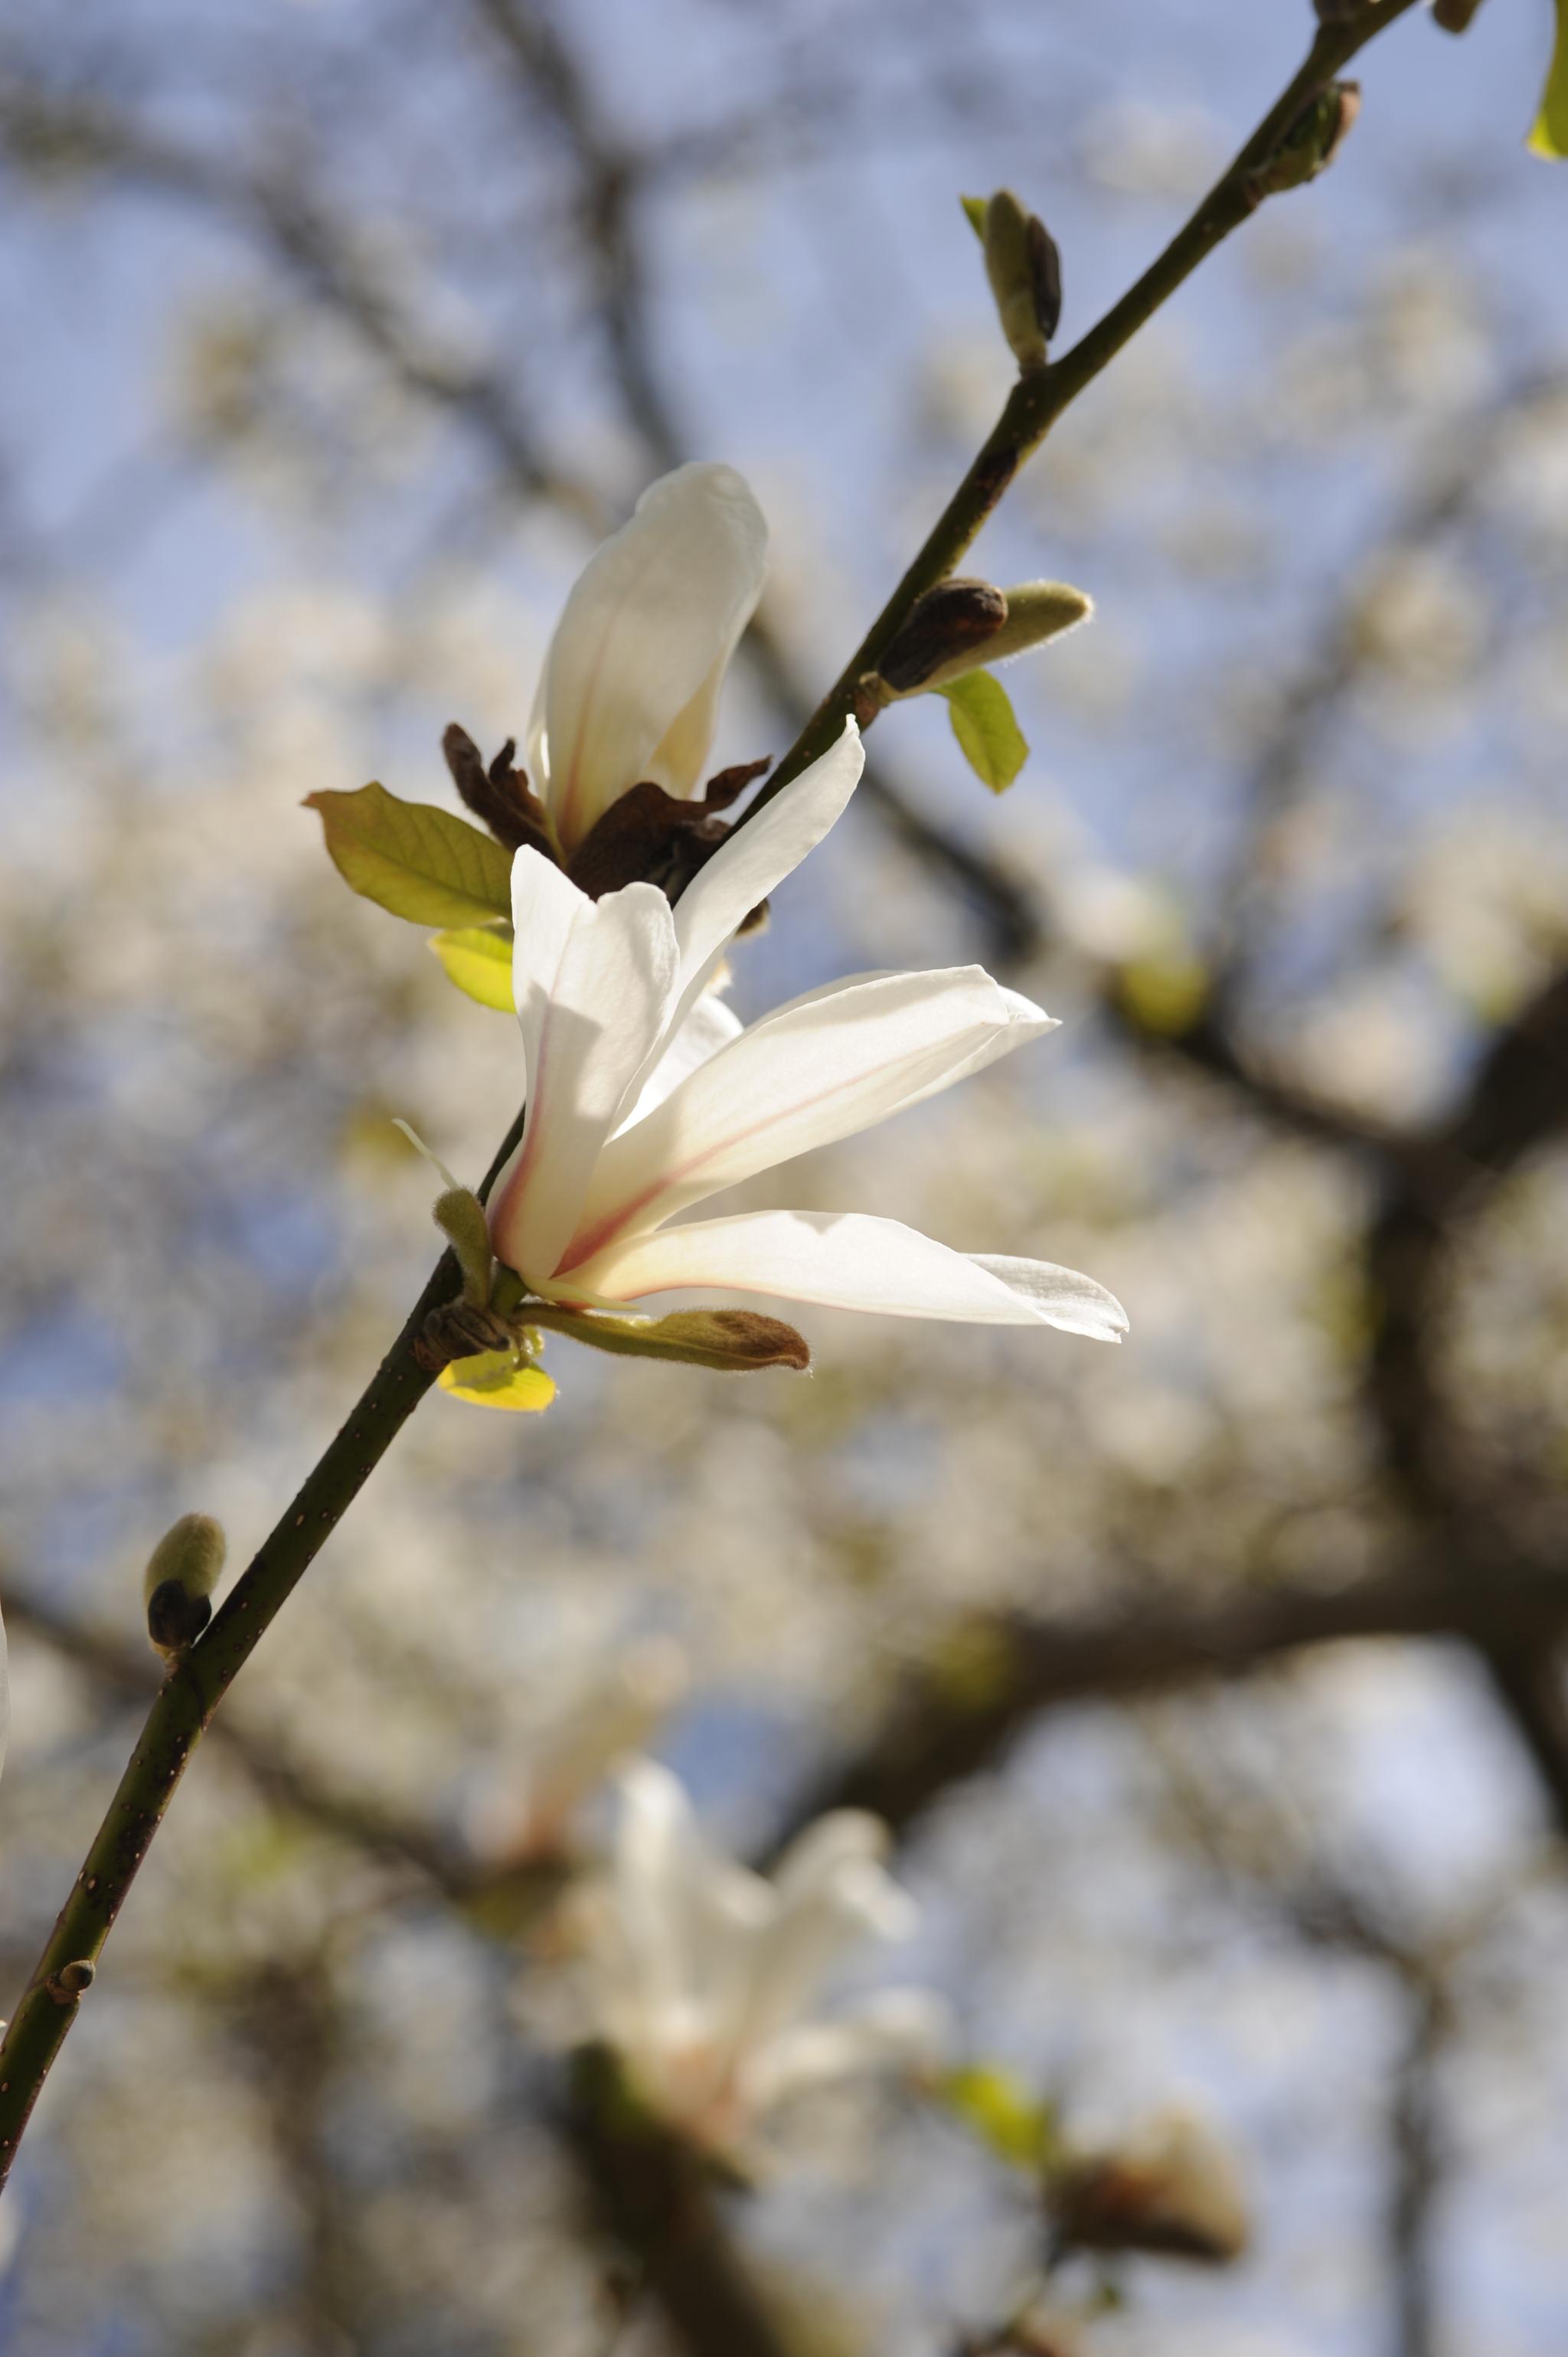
(1550, 136)
(989, 737)
(1165, 993)
(493, 1379)
(478, 958)
(731, 1341)
(974, 213)
(1002, 2113)
(420, 862)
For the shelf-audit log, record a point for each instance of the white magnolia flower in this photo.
(700, 1974)
(630, 683)
(645, 1097)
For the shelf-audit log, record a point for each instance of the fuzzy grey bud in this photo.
(1025, 270)
(1172, 2186)
(1037, 611)
(460, 1216)
(1310, 145)
(177, 1588)
(945, 627)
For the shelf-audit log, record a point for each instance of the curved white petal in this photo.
(1060, 1295)
(643, 1942)
(823, 1919)
(710, 1026)
(756, 857)
(832, 1063)
(632, 673)
(898, 2030)
(845, 1260)
(843, 1835)
(594, 983)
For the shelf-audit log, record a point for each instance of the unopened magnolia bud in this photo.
(1310, 145)
(1172, 2186)
(945, 627)
(182, 1572)
(1037, 611)
(460, 1216)
(72, 1981)
(1025, 270)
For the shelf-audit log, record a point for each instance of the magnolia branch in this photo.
(186, 1702)
(1041, 396)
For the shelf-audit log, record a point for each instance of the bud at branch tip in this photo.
(1025, 270)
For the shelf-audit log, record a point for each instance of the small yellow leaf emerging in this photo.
(1550, 136)
(494, 1379)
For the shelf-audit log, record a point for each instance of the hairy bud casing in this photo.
(1025, 270)
(460, 1216)
(1037, 611)
(946, 626)
(177, 1588)
(1310, 145)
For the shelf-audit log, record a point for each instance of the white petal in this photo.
(755, 858)
(835, 1909)
(843, 1834)
(632, 672)
(847, 1261)
(710, 1026)
(1061, 1296)
(594, 984)
(546, 909)
(898, 2030)
(657, 1861)
(832, 1063)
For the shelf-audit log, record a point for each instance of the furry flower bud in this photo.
(1025, 270)
(182, 1572)
(953, 624)
(1310, 145)
(1035, 610)
(1172, 2186)
(460, 1216)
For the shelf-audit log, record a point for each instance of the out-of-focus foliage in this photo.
(343, 333)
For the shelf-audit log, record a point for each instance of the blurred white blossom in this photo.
(703, 1976)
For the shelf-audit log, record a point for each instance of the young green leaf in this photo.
(731, 1341)
(478, 958)
(1550, 136)
(417, 861)
(1002, 2113)
(990, 737)
(494, 1379)
(974, 213)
